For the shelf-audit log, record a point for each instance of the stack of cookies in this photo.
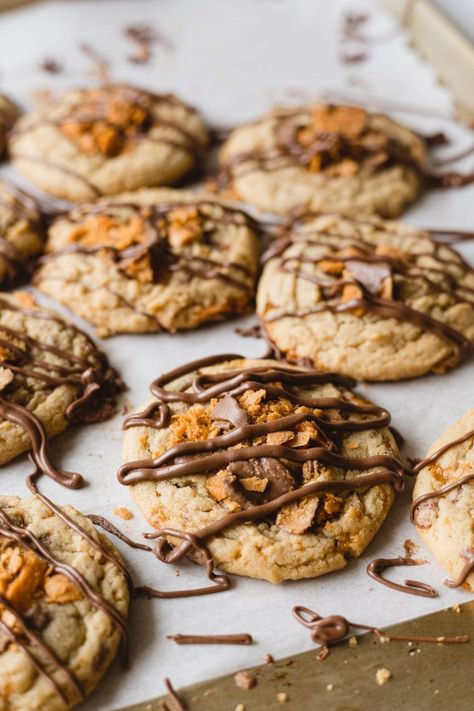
(273, 468)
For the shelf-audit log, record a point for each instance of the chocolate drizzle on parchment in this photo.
(369, 278)
(468, 554)
(326, 631)
(94, 381)
(281, 464)
(414, 587)
(27, 638)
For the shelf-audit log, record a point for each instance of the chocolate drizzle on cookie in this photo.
(108, 121)
(468, 554)
(94, 382)
(260, 479)
(414, 587)
(326, 631)
(354, 275)
(27, 638)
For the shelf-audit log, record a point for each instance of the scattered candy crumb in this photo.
(382, 675)
(245, 679)
(329, 687)
(353, 642)
(282, 697)
(123, 513)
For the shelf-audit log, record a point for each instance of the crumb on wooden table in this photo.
(245, 679)
(383, 675)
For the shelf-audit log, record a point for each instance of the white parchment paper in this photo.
(234, 59)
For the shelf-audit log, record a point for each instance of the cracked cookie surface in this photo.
(324, 157)
(93, 142)
(243, 433)
(444, 520)
(59, 594)
(156, 259)
(50, 371)
(21, 233)
(372, 299)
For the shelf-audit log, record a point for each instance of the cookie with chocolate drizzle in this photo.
(324, 157)
(51, 375)
(102, 141)
(9, 113)
(21, 233)
(64, 600)
(371, 299)
(157, 259)
(443, 501)
(279, 472)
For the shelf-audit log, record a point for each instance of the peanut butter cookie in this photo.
(443, 501)
(21, 233)
(324, 157)
(271, 471)
(93, 142)
(63, 600)
(152, 260)
(372, 299)
(51, 375)
(9, 113)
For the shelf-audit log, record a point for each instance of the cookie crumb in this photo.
(329, 687)
(456, 608)
(245, 679)
(240, 707)
(382, 675)
(353, 642)
(269, 659)
(123, 513)
(410, 548)
(384, 640)
(282, 698)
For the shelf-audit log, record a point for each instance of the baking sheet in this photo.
(233, 59)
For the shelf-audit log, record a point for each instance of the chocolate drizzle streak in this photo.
(96, 384)
(334, 628)
(211, 638)
(413, 587)
(178, 702)
(25, 538)
(468, 554)
(208, 456)
(366, 271)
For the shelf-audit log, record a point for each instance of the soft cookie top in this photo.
(92, 142)
(63, 603)
(279, 472)
(153, 260)
(21, 232)
(51, 374)
(443, 500)
(324, 157)
(372, 299)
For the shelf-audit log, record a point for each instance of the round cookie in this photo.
(443, 499)
(51, 375)
(371, 299)
(21, 231)
(280, 473)
(64, 599)
(92, 142)
(324, 157)
(9, 113)
(152, 260)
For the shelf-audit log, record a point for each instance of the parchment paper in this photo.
(233, 59)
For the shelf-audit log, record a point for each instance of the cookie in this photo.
(443, 501)
(21, 232)
(9, 113)
(93, 142)
(64, 599)
(51, 375)
(150, 261)
(372, 299)
(324, 157)
(275, 472)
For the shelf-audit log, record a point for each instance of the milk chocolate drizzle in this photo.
(205, 457)
(369, 270)
(211, 638)
(414, 587)
(145, 100)
(326, 631)
(468, 554)
(25, 538)
(178, 702)
(91, 375)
